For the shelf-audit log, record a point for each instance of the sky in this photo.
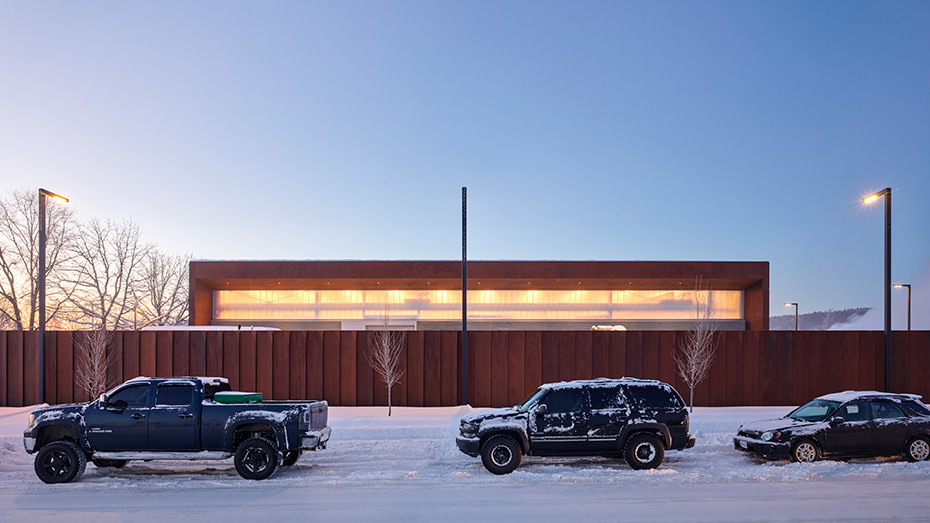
(583, 130)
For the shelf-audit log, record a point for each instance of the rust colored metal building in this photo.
(502, 295)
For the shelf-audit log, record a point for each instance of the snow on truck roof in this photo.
(211, 380)
(850, 395)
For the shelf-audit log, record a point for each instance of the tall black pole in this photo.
(887, 192)
(464, 300)
(908, 307)
(41, 277)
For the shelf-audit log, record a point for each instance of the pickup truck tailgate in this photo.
(318, 415)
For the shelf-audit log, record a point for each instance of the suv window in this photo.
(886, 410)
(135, 396)
(654, 397)
(563, 400)
(174, 395)
(606, 398)
(857, 411)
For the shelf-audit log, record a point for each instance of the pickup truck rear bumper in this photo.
(315, 439)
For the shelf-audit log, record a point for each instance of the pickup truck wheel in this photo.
(501, 454)
(257, 458)
(115, 463)
(644, 451)
(60, 462)
(290, 458)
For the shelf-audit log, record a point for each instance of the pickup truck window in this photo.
(174, 395)
(135, 396)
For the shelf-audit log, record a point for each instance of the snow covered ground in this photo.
(407, 468)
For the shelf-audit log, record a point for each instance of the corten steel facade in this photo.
(292, 294)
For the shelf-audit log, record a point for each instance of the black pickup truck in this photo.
(172, 418)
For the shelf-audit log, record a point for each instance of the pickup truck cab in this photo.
(172, 418)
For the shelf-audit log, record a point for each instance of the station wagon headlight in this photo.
(770, 436)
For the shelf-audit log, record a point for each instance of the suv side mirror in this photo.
(838, 420)
(542, 410)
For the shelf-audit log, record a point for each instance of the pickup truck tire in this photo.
(643, 450)
(501, 454)
(257, 458)
(290, 458)
(60, 462)
(115, 463)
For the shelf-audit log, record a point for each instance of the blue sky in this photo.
(583, 130)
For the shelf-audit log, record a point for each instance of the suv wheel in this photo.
(501, 454)
(644, 451)
(257, 458)
(805, 451)
(60, 462)
(918, 449)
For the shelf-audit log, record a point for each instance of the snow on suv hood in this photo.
(478, 417)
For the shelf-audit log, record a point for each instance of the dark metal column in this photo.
(464, 300)
(887, 192)
(41, 278)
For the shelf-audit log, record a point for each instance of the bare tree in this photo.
(19, 259)
(105, 273)
(696, 355)
(93, 362)
(385, 349)
(162, 293)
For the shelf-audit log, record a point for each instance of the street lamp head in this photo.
(790, 304)
(52, 195)
(902, 285)
(875, 196)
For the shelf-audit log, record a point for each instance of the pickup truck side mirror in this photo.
(542, 410)
(838, 420)
(102, 401)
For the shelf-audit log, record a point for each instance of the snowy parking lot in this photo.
(408, 468)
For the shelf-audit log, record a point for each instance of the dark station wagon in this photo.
(844, 424)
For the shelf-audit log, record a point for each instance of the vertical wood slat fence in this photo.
(751, 368)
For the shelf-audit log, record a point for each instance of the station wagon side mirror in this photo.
(838, 420)
(542, 410)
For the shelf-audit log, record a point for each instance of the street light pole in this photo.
(886, 192)
(41, 277)
(908, 287)
(789, 304)
(464, 299)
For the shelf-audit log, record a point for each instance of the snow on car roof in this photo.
(601, 382)
(850, 395)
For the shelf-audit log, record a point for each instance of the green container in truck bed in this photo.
(238, 397)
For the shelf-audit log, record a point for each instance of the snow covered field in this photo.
(407, 468)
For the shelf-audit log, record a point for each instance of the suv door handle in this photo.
(185, 415)
(137, 416)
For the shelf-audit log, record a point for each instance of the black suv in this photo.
(635, 418)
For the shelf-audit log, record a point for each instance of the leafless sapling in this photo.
(696, 355)
(385, 351)
(94, 362)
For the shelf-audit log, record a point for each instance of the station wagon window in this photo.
(606, 398)
(916, 408)
(563, 400)
(135, 396)
(174, 395)
(886, 410)
(858, 411)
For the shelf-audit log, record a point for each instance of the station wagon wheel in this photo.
(60, 462)
(257, 458)
(501, 454)
(644, 451)
(805, 451)
(918, 449)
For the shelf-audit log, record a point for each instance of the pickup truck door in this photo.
(174, 420)
(121, 424)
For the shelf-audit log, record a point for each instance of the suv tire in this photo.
(257, 458)
(501, 454)
(643, 450)
(60, 462)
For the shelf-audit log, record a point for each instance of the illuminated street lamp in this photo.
(908, 287)
(42, 239)
(886, 192)
(795, 305)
